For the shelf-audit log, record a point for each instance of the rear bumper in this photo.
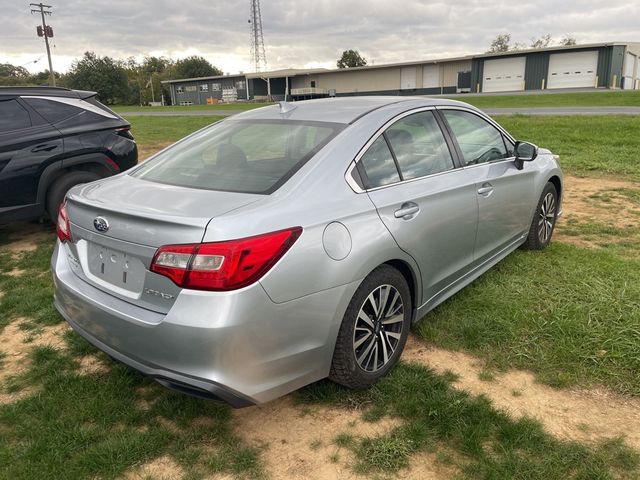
(237, 346)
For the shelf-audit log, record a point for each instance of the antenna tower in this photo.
(258, 57)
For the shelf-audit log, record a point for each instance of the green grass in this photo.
(190, 108)
(153, 130)
(570, 315)
(586, 145)
(466, 432)
(577, 99)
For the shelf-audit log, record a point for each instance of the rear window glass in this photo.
(53, 112)
(249, 156)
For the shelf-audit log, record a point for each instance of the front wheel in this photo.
(544, 219)
(374, 329)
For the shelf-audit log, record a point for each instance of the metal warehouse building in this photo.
(602, 65)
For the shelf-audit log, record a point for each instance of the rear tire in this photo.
(544, 219)
(374, 329)
(61, 186)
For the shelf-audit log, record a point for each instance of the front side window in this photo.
(204, 87)
(13, 116)
(479, 141)
(180, 89)
(249, 156)
(419, 146)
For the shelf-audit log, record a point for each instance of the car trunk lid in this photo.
(117, 225)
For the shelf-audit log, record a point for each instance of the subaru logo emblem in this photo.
(101, 224)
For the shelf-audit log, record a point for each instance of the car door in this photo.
(428, 204)
(505, 194)
(26, 143)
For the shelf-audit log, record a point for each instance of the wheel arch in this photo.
(94, 163)
(411, 278)
(555, 180)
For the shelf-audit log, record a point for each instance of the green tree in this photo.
(351, 58)
(542, 42)
(104, 75)
(192, 67)
(502, 43)
(8, 70)
(568, 41)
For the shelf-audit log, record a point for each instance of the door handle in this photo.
(407, 211)
(485, 189)
(43, 148)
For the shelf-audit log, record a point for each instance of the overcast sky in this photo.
(302, 33)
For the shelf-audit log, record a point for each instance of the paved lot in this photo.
(490, 111)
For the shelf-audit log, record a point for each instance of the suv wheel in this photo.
(374, 329)
(61, 186)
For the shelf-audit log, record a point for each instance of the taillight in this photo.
(62, 225)
(223, 265)
(124, 132)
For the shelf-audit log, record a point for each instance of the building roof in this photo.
(292, 72)
(213, 77)
(338, 109)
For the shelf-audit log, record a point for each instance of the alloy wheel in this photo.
(378, 328)
(547, 217)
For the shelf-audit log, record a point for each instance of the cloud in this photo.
(299, 34)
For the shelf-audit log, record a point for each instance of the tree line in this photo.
(127, 82)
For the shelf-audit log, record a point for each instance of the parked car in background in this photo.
(52, 139)
(295, 242)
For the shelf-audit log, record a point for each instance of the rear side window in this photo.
(419, 146)
(53, 112)
(479, 141)
(13, 116)
(249, 156)
(379, 165)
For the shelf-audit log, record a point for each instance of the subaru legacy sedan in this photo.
(297, 241)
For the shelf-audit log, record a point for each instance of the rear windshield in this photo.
(249, 156)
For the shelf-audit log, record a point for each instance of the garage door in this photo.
(431, 76)
(503, 75)
(628, 82)
(408, 77)
(572, 70)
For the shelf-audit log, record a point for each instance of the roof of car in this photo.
(339, 109)
(46, 91)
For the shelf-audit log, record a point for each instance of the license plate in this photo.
(115, 267)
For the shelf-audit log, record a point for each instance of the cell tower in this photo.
(258, 57)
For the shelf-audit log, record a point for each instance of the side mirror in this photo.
(524, 152)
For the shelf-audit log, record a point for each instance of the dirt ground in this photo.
(298, 441)
(598, 200)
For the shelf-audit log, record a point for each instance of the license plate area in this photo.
(115, 268)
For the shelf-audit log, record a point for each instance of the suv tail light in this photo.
(63, 228)
(124, 132)
(223, 265)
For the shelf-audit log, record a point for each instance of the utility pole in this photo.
(45, 31)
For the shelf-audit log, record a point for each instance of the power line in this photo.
(45, 31)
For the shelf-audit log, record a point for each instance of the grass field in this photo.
(629, 98)
(577, 99)
(570, 314)
(189, 108)
(586, 145)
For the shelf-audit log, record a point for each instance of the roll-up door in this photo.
(431, 76)
(572, 70)
(504, 74)
(408, 77)
(628, 81)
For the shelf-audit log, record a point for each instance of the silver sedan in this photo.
(296, 241)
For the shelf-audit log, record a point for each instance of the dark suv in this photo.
(52, 139)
